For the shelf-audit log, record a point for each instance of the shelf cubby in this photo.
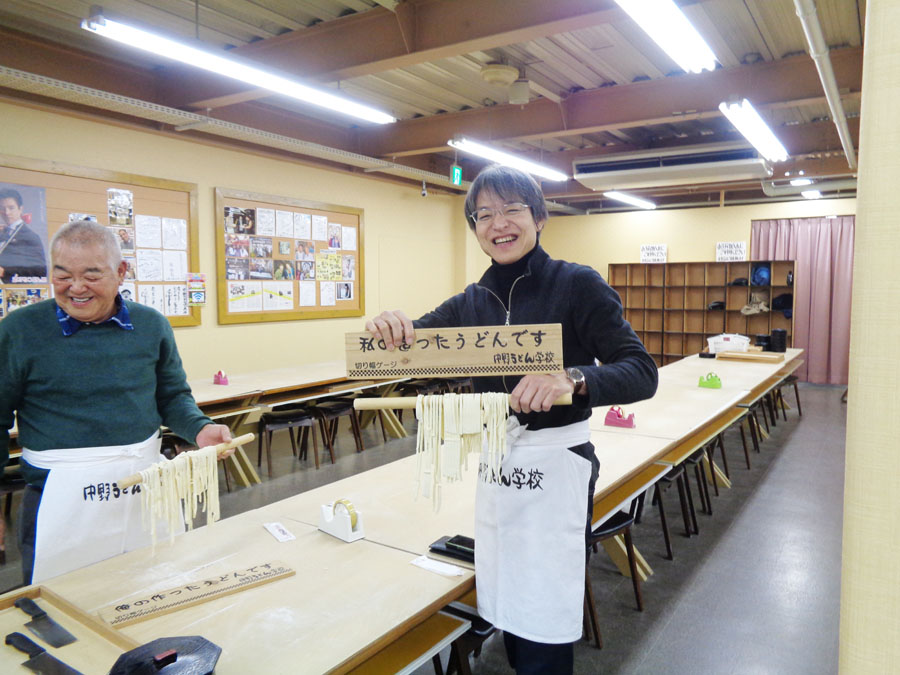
(693, 321)
(675, 298)
(673, 321)
(653, 320)
(675, 274)
(694, 297)
(715, 274)
(635, 298)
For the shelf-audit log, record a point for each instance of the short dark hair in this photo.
(510, 185)
(9, 193)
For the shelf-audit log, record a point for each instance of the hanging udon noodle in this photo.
(453, 426)
(173, 490)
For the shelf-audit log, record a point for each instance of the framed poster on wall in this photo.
(283, 259)
(154, 221)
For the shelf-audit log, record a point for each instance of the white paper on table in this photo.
(148, 231)
(320, 228)
(176, 300)
(279, 531)
(174, 233)
(244, 296)
(302, 226)
(174, 265)
(348, 238)
(307, 294)
(152, 295)
(284, 224)
(149, 265)
(327, 293)
(265, 222)
(436, 566)
(278, 295)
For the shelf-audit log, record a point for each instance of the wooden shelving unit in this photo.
(667, 304)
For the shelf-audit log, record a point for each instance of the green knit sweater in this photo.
(101, 386)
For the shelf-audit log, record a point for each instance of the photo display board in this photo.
(282, 259)
(154, 221)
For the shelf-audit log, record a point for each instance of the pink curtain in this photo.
(822, 251)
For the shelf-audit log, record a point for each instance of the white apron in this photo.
(84, 517)
(530, 535)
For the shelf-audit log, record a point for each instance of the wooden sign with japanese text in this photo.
(459, 352)
(192, 593)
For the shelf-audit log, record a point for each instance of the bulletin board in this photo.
(283, 259)
(154, 220)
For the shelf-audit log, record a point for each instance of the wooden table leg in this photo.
(721, 478)
(615, 549)
(232, 464)
(245, 466)
(392, 424)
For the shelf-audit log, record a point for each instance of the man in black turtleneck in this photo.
(529, 562)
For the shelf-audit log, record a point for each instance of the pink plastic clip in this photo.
(220, 378)
(616, 418)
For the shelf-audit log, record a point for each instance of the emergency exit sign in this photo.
(456, 174)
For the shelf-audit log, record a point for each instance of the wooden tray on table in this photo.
(97, 646)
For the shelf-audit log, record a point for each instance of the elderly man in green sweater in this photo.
(90, 378)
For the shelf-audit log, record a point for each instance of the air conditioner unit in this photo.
(682, 166)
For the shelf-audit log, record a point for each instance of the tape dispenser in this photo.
(341, 519)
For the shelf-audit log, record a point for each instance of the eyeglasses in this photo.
(485, 215)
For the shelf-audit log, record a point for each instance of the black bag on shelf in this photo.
(784, 303)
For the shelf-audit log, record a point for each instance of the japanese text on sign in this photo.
(731, 251)
(466, 351)
(193, 593)
(654, 253)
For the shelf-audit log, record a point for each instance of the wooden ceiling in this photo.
(598, 85)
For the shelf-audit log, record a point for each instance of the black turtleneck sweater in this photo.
(538, 289)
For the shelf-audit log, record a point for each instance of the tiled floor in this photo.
(756, 592)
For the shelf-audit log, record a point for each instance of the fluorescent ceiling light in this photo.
(665, 23)
(506, 159)
(797, 182)
(230, 67)
(746, 120)
(811, 194)
(629, 199)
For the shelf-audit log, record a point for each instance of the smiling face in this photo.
(505, 238)
(84, 283)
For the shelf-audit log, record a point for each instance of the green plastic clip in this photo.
(711, 381)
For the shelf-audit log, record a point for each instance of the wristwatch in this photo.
(577, 379)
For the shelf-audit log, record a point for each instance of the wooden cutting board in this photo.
(762, 357)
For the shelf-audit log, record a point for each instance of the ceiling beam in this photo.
(43, 57)
(417, 31)
(790, 81)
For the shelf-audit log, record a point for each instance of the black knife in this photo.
(40, 661)
(43, 626)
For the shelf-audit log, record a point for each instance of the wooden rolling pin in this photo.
(221, 448)
(409, 402)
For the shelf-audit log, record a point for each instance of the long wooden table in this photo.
(348, 601)
(260, 391)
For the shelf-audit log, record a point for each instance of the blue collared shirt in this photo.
(71, 325)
